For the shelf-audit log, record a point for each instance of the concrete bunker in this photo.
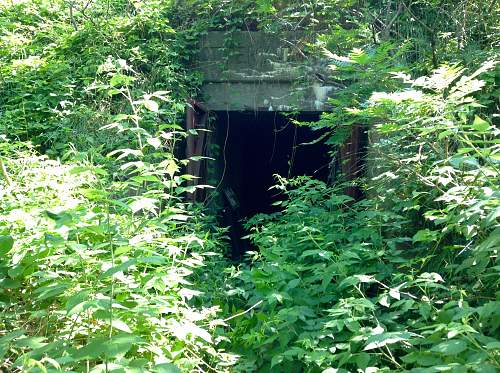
(249, 86)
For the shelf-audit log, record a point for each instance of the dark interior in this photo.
(256, 147)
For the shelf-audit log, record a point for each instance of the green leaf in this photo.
(451, 347)
(445, 134)
(118, 80)
(380, 340)
(6, 340)
(92, 350)
(120, 325)
(493, 345)
(425, 235)
(480, 124)
(167, 368)
(151, 105)
(425, 358)
(119, 268)
(196, 331)
(8, 283)
(362, 359)
(144, 203)
(349, 281)
(155, 142)
(119, 345)
(6, 244)
(365, 278)
(63, 218)
(51, 291)
(277, 359)
(125, 153)
(31, 342)
(76, 303)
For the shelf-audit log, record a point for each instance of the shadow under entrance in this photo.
(253, 148)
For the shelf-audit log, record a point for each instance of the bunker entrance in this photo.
(253, 148)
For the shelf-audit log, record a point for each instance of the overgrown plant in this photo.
(105, 267)
(95, 270)
(404, 280)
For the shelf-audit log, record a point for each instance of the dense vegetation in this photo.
(105, 266)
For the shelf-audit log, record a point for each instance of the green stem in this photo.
(5, 174)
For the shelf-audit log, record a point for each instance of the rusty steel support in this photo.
(196, 118)
(351, 159)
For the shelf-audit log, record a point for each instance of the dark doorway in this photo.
(254, 147)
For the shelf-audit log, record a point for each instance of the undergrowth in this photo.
(406, 279)
(96, 278)
(106, 267)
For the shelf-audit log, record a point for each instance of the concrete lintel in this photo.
(261, 72)
(265, 97)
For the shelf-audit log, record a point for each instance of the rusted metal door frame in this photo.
(351, 154)
(196, 119)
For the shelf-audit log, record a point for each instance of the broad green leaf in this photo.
(120, 325)
(6, 340)
(349, 281)
(451, 347)
(196, 331)
(463, 162)
(61, 219)
(155, 142)
(51, 291)
(9, 283)
(277, 359)
(167, 368)
(119, 345)
(480, 124)
(425, 358)
(384, 300)
(31, 342)
(92, 350)
(493, 345)
(380, 340)
(362, 359)
(425, 235)
(75, 303)
(125, 153)
(365, 278)
(119, 268)
(119, 79)
(6, 244)
(151, 105)
(144, 203)
(171, 167)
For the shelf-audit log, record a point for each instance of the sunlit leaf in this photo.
(144, 203)
(480, 124)
(6, 244)
(383, 339)
(151, 105)
(451, 347)
(166, 368)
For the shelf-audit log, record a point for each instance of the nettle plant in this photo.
(96, 269)
(406, 279)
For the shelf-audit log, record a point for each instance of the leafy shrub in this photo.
(46, 66)
(96, 268)
(404, 280)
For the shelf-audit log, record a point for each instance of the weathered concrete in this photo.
(261, 72)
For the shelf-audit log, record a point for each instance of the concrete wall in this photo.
(260, 72)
